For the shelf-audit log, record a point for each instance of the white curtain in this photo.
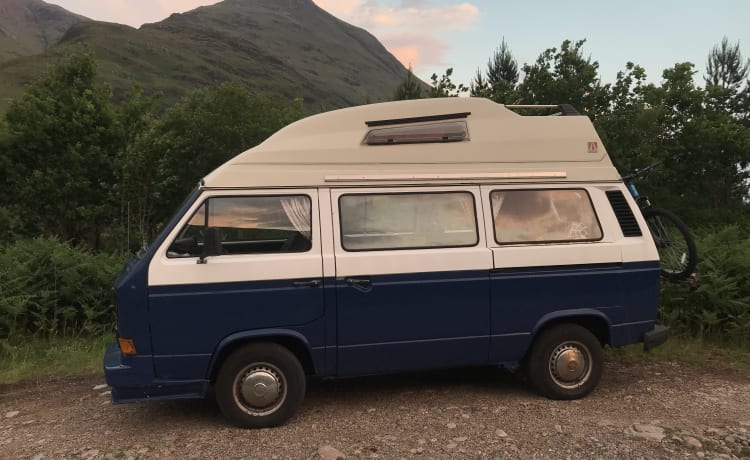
(297, 209)
(467, 207)
(497, 202)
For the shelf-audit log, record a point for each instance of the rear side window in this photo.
(247, 225)
(407, 221)
(544, 216)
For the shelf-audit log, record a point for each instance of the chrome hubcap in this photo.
(570, 364)
(260, 389)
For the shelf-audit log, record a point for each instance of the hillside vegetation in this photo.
(287, 48)
(31, 26)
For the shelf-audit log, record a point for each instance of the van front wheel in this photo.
(565, 362)
(260, 385)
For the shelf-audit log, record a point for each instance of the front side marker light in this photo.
(127, 346)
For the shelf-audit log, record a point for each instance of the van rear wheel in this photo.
(260, 385)
(565, 362)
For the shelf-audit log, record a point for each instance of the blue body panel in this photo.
(188, 322)
(132, 379)
(623, 296)
(399, 322)
(131, 289)
(413, 321)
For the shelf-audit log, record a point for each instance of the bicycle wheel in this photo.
(677, 253)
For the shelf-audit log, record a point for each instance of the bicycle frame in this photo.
(659, 222)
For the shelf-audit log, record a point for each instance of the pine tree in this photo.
(410, 87)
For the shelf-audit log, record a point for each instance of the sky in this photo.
(433, 35)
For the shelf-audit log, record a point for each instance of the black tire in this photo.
(275, 372)
(677, 253)
(565, 362)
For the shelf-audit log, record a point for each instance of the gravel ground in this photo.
(661, 410)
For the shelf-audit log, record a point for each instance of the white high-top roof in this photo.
(502, 146)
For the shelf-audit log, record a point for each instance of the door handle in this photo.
(358, 282)
(310, 283)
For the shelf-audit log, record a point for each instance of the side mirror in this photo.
(211, 243)
(185, 246)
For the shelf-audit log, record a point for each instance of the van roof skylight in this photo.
(453, 131)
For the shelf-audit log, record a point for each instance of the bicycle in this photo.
(677, 252)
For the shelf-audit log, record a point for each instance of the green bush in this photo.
(50, 288)
(719, 307)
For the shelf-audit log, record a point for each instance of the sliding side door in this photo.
(412, 279)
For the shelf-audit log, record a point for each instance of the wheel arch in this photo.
(291, 340)
(593, 320)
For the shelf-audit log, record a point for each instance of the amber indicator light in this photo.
(127, 346)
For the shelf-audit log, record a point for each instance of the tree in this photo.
(444, 86)
(704, 151)
(410, 87)
(710, 153)
(502, 68)
(479, 86)
(565, 76)
(8, 220)
(502, 76)
(136, 174)
(202, 131)
(62, 135)
(630, 126)
(726, 81)
(725, 66)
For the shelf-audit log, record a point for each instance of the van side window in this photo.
(544, 216)
(408, 221)
(247, 225)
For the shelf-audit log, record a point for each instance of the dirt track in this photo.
(661, 410)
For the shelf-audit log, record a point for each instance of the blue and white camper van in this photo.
(385, 238)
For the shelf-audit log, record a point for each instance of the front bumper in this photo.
(655, 337)
(132, 379)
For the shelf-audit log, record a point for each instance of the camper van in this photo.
(387, 238)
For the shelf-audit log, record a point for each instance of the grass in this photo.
(690, 351)
(64, 356)
(59, 356)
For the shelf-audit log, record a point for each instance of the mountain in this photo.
(31, 26)
(288, 48)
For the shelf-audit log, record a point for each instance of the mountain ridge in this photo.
(287, 48)
(29, 27)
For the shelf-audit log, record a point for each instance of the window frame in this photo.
(405, 248)
(207, 215)
(543, 242)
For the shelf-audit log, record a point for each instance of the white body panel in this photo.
(612, 248)
(328, 148)
(324, 157)
(241, 267)
(383, 262)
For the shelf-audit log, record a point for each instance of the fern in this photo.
(719, 308)
(48, 288)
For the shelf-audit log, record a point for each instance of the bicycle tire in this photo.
(677, 252)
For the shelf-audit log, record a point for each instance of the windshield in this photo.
(166, 226)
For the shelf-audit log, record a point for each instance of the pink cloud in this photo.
(409, 31)
(408, 55)
(452, 17)
(131, 12)
(340, 8)
(417, 50)
(415, 14)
